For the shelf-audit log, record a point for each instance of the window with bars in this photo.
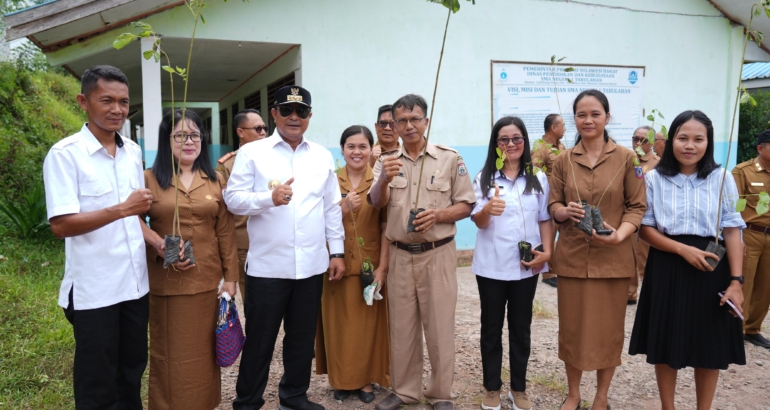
(224, 138)
(207, 129)
(253, 101)
(272, 88)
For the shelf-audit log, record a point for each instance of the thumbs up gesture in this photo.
(495, 206)
(282, 193)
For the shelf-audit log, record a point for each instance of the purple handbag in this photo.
(230, 337)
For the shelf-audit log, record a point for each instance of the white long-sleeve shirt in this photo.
(288, 241)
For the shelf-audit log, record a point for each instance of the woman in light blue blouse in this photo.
(681, 320)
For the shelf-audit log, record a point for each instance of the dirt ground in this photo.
(633, 387)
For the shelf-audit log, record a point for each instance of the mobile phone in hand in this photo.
(604, 232)
(730, 303)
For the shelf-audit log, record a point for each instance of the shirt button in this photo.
(189, 226)
(189, 210)
(414, 183)
(187, 195)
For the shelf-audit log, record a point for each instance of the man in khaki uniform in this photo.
(544, 151)
(249, 127)
(422, 282)
(647, 161)
(387, 139)
(753, 177)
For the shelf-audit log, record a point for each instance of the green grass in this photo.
(36, 340)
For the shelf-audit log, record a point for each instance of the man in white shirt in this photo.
(94, 191)
(287, 186)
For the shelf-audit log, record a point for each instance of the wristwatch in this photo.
(738, 278)
(342, 256)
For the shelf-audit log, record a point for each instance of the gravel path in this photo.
(633, 387)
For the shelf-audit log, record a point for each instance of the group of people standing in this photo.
(300, 236)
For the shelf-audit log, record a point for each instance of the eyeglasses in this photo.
(506, 141)
(259, 130)
(184, 137)
(385, 124)
(638, 140)
(302, 111)
(401, 122)
(660, 139)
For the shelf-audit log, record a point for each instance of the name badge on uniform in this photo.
(757, 184)
(639, 172)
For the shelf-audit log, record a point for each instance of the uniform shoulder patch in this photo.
(462, 170)
(226, 157)
(444, 147)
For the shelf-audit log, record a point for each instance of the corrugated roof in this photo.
(755, 70)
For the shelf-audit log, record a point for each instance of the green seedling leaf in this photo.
(661, 115)
(650, 117)
(764, 197)
(142, 25)
(157, 56)
(168, 69)
(499, 163)
(569, 70)
(752, 101)
(767, 11)
(651, 136)
(123, 40)
(144, 34)
(148, 54)
(640, 152)
(744, 96)
(360, 241)
(664, 131)
(203, 20)
(453, 5)
(636, 160)
(561, 59)
(762, 208)
(553, 59)
(740, 206)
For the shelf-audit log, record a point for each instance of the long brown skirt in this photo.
(183, 369)
(592, 315)
(352, 341)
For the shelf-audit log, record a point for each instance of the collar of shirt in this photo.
(364, 185)
(276, 140)
(579, 149)
(431, 151)
(199, 179)
(648, 156)
(93, 144)
(680, 179)
(758, 166)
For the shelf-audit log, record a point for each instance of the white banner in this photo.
(528, 91)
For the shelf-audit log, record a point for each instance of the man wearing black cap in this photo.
(752, 178)
(288, 188)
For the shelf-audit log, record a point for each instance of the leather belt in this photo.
(422, 247)
(757, 228)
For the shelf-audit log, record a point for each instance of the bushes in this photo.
(753, 120)
(37, 109)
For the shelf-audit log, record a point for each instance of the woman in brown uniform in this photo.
(594, 270)
(352, 344)
(183, 297)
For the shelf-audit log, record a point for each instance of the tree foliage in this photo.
(753, 120)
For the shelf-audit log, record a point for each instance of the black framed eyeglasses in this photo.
(506, 141)
(385, 124)
(194, 137)
(636, 140)
(259, 130)
(302, 111)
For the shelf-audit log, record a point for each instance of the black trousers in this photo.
(296, 302)
(110, 354)
(493, 295)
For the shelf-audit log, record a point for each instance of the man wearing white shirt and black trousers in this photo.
(287, 186)
(94, 191)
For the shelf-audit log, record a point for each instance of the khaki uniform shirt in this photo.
(368, 224)
(225, 167)
(649, 161)
(445, 182)
(624, 201)
(752, 178)
(543, 156)
(206, 222)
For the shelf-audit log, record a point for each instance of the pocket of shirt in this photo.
(439, 195)
(397, 191)
(94, 195)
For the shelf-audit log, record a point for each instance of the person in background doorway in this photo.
(249, 127)
(648, 162)
(544, 152)
(387, 138)
(752, 178)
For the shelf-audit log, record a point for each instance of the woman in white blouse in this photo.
(681, 320)
(511, 206)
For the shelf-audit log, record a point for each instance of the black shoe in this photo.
(366, 396)
(341, 394)
(631, 302)
(757, 340)
(550, 282)
(308, 405)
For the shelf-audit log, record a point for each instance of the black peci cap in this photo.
(763, 137)
(292, 94)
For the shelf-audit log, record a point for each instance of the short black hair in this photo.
(549, 120)
(241, 117)
(409, 101)
(106, 72)
(668, 164)
(355, 130)
(162, 168)
(385, 108)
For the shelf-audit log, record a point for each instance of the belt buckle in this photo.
(414, 248)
